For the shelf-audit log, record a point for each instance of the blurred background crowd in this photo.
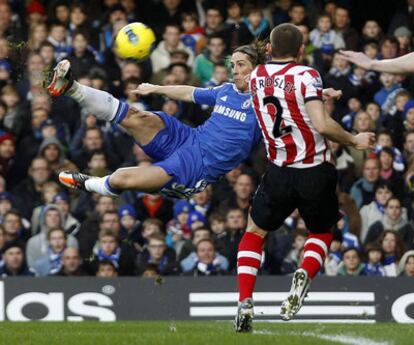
(47, 230)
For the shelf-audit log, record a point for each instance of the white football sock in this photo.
(101, 186)
(99, 103)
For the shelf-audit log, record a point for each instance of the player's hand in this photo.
(145, 89)
(357, 58)
(330, 93)
(364, 141)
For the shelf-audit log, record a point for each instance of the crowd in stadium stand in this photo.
(47, 230)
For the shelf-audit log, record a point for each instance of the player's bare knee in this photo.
(118, 180)
(134, 118)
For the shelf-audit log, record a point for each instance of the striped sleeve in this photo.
(312, 85)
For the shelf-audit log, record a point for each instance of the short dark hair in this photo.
(286, 40)
(82, 33)
(57, 229)
(391, 199)
(391, 39)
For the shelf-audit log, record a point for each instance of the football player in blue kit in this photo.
(186, 159)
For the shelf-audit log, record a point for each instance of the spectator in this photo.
(49, 191)
(187, 254)
(108, 248)
(374, 266)
(374, 211)
(196, 220)
(193, 35)
(93, 140)
(14, 229)
(158, 254)
(408, 145)
(160, 57)
(324, 38)
(52, 150)
(403, 35)
(220, 75)
(38, 34)
(291, 261)
(393, 248)
(371, 32)
(363, 122)
(7, 153)
(28, 192)
(243, 192)
(351, 265)
(409, 116)
(37, 245)
(257, 25)
(362, 190)
(106, 269)
(154, 206)
(71, 264)
(228, 243)
(297, 14)
(61, 12)
(71, 224)
(213, 54)
(207, 264)
(58, 37)
(116, 13)
(14, 261)
(385, 97)
(342, 27)
(130, 231)
(6, 204)
(393, 219)
(388, 173)
(240, 34)
(406, 264)
(81, 59)
(177, 229)
(51, 263)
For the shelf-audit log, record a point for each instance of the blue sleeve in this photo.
(206, 95)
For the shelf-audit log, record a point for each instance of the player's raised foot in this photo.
(61, 79)
(73, 180)
(244, 317)
(298, 292)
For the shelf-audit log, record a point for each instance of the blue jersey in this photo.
(227, 138)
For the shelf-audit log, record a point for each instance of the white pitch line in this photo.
(347, 339)
(339, 338)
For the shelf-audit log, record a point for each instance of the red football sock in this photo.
(249, 258)
(316, 249)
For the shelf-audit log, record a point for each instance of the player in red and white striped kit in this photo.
(287, 98)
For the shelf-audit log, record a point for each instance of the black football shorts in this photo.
(311, 190)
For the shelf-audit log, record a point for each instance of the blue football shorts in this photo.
(176, 149)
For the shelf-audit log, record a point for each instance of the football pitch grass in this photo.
(200, 332)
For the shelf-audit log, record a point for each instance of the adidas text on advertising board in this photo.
(78, 306)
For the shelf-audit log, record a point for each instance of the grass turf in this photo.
(199, 332)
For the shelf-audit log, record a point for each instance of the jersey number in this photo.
(277, 130)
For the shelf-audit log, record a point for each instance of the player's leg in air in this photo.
(142, 125)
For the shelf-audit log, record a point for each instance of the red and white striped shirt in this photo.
(279, 92)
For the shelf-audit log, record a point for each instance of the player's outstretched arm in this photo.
(330, 129)
(331, 93)
(399, 65)
(178, 92)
